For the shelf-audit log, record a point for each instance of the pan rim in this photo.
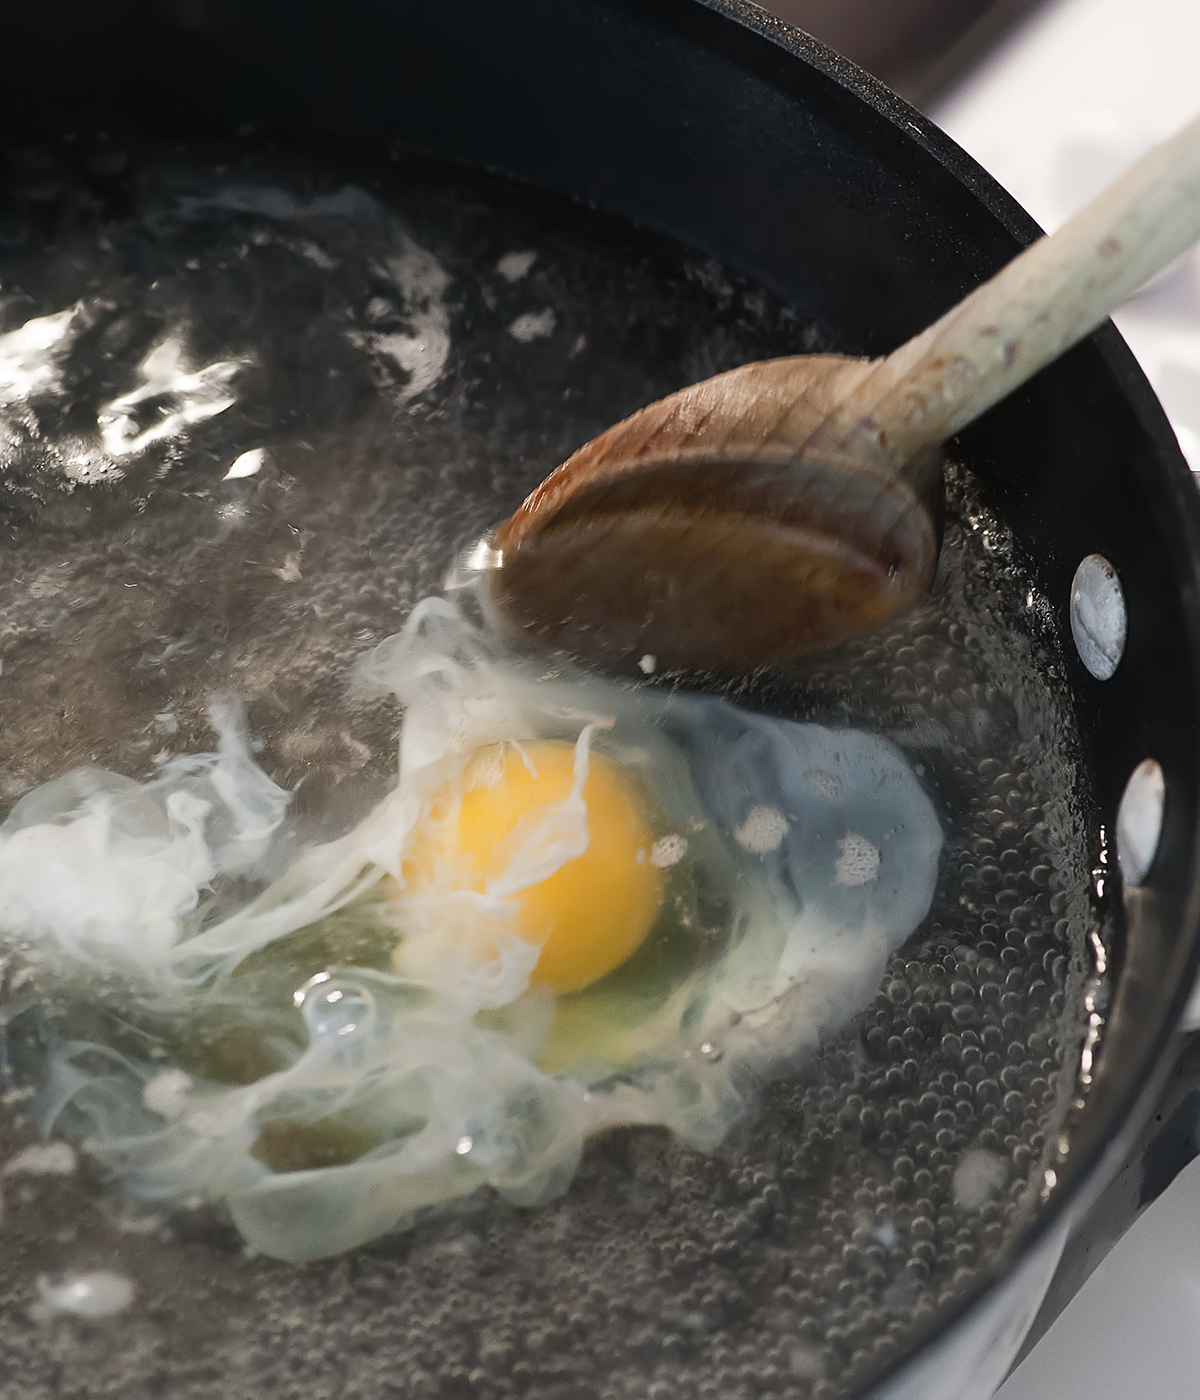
(1176, 499)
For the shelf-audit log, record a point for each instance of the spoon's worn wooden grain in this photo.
(697, 532)
(783, 506)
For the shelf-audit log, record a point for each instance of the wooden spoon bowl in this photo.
(697, 532)
(788, 504)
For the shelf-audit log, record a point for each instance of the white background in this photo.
(1080, 90)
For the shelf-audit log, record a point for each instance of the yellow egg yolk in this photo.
(596, 908)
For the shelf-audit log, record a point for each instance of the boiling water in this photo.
(250, 408)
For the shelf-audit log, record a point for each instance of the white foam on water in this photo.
(762, 831)
(189, 396)
(858, 861)
(95, 1294)
(979, 1175)
(533, 325)
(29, 356)
(421, 352)
(513, 267)
(43, 1159)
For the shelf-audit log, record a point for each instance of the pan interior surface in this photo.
(253, 403)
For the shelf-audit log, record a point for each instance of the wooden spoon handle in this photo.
(1039, 305)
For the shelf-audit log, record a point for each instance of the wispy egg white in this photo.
(406, 1042)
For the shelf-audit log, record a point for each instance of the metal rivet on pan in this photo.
(1139, 820)
(1098, 616)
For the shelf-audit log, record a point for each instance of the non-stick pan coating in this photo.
(754, 148)
(872, 1189)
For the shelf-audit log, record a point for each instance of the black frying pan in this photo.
(706, 186)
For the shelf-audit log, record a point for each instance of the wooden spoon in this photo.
(789, 504)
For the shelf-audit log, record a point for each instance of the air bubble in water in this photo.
(491, 1146)
(336, 1010)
